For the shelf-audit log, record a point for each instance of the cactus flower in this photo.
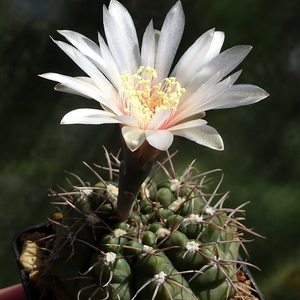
(136, 87)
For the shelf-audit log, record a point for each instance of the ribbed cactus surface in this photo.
(178, 243)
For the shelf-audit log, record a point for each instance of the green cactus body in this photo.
(178, 243)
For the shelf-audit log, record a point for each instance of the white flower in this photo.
(135, 87)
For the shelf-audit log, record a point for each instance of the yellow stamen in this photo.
(143, 97)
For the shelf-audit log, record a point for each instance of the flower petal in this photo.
(159, 139)
(88, 116)
(111, 71)
(88, 67)
(215, 46)
(76, 84)
(207, 97)
(128, 30)
(115, 42)
(169, 40)
(188, 124)
(85, 88)
(158, 120)
(186, 101)
(65, 89)
(85, 46)
(127, 120)
(204, 135)
(219, 88)
(241, 94)
(220, 65)
(226, 61)
(121, 37)
(98, 55)
(205, 48)
(133, 137)
(148, 49)
(193, 58)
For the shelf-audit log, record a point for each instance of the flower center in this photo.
(143, 96)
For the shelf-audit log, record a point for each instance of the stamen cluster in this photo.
(144, 97)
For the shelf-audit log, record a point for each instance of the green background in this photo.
(261, 157)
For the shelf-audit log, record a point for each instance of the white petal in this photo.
(158, 120)
(76, 84)
(85, 46)
(221, 64)
(193, 58)
(186, 100)
(115, 42)
(169, 40)
(148, 49)
(201, 83)
(127, 120)
(159, 139)
(121, 37)
(241, 94)
(226, 61)
(88, 116)
(215, 46)
(62, 88)
(111, 71)
(133, 137)
(189, 124)
(85, 88)
(204, 135)
(128, 30)
(200, 53)
(208, 96)
(87, 66)
(220, 87)
(97, 54)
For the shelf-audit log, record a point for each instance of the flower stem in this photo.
(134, 168)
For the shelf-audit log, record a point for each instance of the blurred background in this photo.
(261, 159)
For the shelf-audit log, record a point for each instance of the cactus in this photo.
(132, 237)
(179, 242)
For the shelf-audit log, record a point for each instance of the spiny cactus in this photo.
(179, 242)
